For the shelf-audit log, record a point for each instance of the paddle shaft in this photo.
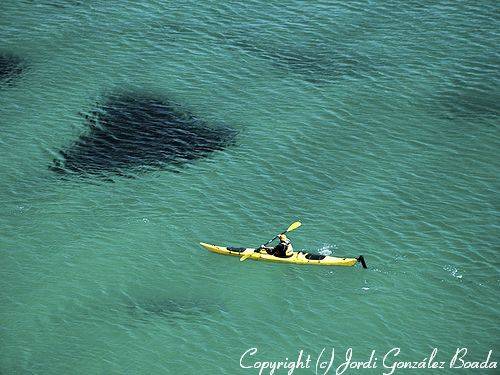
(271, 240)
(293, 226)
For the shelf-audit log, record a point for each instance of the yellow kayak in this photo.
(298, 257)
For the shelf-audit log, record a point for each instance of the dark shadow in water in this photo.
(169, 309)
(11, 67)
(472, 92)
(468, 103)
(139, 130)
(313, 64)
(317, 66)
(317, 62)
(60, 4)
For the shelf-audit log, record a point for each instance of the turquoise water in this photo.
(374, 123)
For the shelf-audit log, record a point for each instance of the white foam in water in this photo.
(327, 249)
(453, 271)
(366, 287)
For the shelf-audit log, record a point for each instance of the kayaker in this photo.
(282, 250)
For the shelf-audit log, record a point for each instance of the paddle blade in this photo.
(294, 226)
(246, 255)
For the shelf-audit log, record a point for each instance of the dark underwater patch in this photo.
(468, 104)
(11, 67)
(60, 4)
(321, 65)
(314, 64)
(131, 131)
(471, 92)
(169, 309)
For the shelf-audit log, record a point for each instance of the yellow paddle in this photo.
(292, 226)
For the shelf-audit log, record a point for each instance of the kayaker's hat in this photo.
(282, 237)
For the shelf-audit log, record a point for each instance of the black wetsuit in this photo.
(280, 250)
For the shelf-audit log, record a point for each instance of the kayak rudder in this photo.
(361, 259)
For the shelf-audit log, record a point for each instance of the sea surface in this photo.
(375, 123)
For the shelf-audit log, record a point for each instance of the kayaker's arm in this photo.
(292, 226)
(262, 247)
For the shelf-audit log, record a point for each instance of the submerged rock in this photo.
(133, 131)
(11, 67)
